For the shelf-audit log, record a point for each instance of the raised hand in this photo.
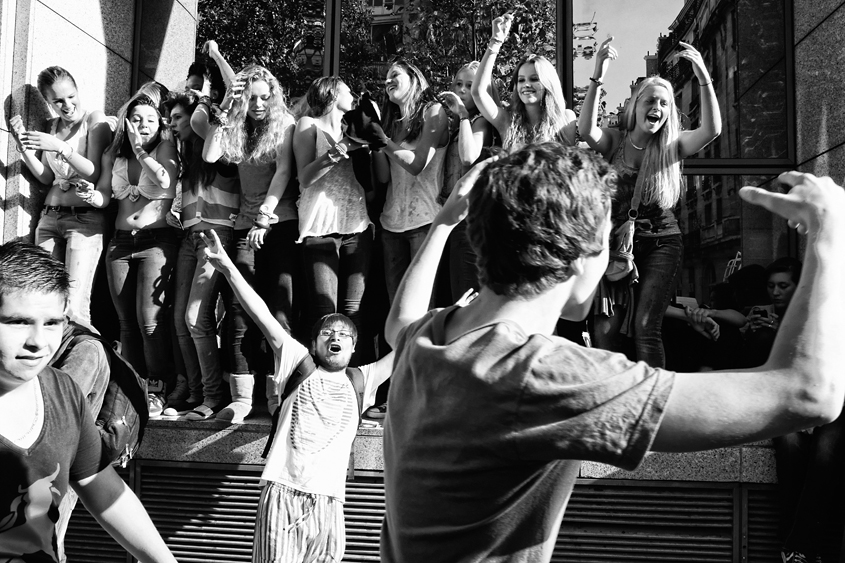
(210, 47)
(234, 92)
(692, 55)
(457, 206)
(453, 105)
(501, 28)
(40, 141)
(134, 137)
(815, 206)
(214, 252)
(607, 53)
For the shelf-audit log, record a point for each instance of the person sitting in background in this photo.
(763, 320)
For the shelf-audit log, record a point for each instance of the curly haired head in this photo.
(534, 212)
(250, 140)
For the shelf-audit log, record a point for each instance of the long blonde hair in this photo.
(240, 142)
(553, 106)
(661, 164)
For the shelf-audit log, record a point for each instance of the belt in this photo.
(67, 209)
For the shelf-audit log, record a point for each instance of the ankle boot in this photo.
(241, 386)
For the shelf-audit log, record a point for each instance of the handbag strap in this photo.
(638, 193)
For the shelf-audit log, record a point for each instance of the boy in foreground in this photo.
(496, 411)
(48, 440)
(300, 512)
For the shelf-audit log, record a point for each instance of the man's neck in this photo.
(537, 314)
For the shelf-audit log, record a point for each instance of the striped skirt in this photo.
(296, 527)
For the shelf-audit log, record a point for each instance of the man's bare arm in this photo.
(803, 383)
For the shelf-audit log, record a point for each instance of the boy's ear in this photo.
(576, 267)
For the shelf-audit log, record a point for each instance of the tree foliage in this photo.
(439, 36)
(443, 35)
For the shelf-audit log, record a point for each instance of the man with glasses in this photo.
(305, 475)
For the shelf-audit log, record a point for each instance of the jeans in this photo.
(272, 271)
(809, 467)
(140, 267)
(75, 238)
(399, 250)
(658, 260)
(335, 273)
(197, 287)
(463, 272)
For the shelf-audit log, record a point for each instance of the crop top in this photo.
(147, 187)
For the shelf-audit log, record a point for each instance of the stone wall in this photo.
(98, 42)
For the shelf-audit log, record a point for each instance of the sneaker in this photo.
(155, 403)
(178, 408)
(180, 392)
(377, 412)
(793, 557)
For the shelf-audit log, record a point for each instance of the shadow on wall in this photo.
(27, 102)
(154, 28)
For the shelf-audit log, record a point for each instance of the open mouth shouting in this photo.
(335, 348)
(653, 118)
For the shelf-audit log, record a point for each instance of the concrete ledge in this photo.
(175, 439)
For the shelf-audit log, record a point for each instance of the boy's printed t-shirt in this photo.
(481, 463)
(317, 425)
(34, 480)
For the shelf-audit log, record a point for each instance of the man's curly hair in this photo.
(534, 212)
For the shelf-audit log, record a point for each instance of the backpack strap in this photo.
(302, 372)
(356, 378)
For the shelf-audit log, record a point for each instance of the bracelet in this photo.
(705, 84)
(494, 51)
(205, 100)
(141, 154)
(596, 81)
(70, 154)
(262, 221)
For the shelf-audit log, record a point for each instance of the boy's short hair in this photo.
(791, 266)
(26, 267)
(534, 212)
(332, 318)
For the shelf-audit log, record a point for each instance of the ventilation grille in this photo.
(762, 523)
(632, 523)
(207, 514)
(85, 539)
(363, 511)
(203, 515)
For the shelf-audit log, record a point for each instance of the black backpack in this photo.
(302, 372)
(124, 413)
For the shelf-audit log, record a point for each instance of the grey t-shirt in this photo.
(485, 433)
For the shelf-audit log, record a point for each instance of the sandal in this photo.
(203, 412)
(377, 412)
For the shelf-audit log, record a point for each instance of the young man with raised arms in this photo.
(496, 411)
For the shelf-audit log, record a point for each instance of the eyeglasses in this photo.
(327, 332)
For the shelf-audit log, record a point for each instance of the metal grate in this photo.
(206, 513)
(363, 511)
(640, 523)
(87, 541)
(202, 514)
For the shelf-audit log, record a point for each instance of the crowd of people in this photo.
(247, 237)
